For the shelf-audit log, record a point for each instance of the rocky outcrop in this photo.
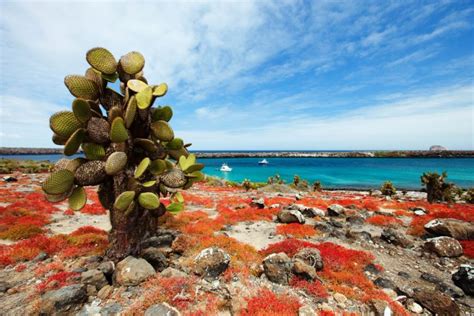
(277, 267)
(464, 278)
(455, 228)
(211, 262)
(155, 257)
(336, 210)
(63, 300)
(394, 237)
(436, 302)
(95, 278)
(437, 148)
(162, 309)
(444, 246)
(290, 216)
(133, 271)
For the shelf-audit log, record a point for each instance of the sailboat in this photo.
(263, 162)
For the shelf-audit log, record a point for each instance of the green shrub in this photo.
(388, 188)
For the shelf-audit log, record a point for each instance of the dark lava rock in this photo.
(162, 309)
(436, 302)
(404, 275)
(355, 219)
(336, 210)
(211, 262)
(385, 283)
(394, 237)
(371, 268)
(63, 300)
(336, 224)
(95, 278)
(464, 278)
(450, 227)
(290, 216)
(155, 257)
(430, 278)
(258, 203)
(311, 257)
(277, 267)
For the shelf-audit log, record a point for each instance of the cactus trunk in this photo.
(128, 229)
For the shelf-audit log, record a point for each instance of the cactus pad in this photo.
(146, 144)
(58, 182)
(90, 173)
(74, 142)
(144, 98)
(118, 132)
(162, 114)
(136, 85)
(115, 163)
(81, 87)
(141, 168)
(78, 199)
(149, 200)
(124, 200)
(162, 130)
(132, 63)
(130, 112)
(98, 130)
(81, 110)
(176, 143)
(174, 178)
(160, 90)
(102, 60)
(59, 140)
(64, 123)
(158, 167)
(93, 151)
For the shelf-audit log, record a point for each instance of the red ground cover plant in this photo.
(296, 230)
(468, 247)
(313, 288)
(84, 241)
(383, 220)
(267, 303)
(179, 292)
(195, 199)
(20, 267)
(44, 268)
(57, 281)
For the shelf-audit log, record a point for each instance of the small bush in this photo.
(388, 189)
(317, 186)
(437, 189)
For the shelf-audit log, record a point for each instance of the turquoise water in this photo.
(334, 172)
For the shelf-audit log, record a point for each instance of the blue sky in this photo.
(257, 74)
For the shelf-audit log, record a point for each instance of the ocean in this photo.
(357, 173)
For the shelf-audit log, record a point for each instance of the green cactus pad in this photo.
(124, 200)
(162, 114)
(175, 208)
(158, 167)
(160, 90)
(81, 110)
(114, 112)
(118, 132)
(196, 175)
(93, 151)
(95, 76)
(98, 130)
(176, 154)
(195, 167)
(144, 98)
(132, 63)
(162, 130)
(174, 178)
(55, 198)
(78, 199)
(149, 183)
(146, 144)
(136, 85)
(74, 142)
(186, 162)
(90, 173)
(115, 163)
(59, 140)
(64, 123)
(130, 112)
(102, 60)
(110, 78)
(149, 200)
(176, 143)
(81, 87)
(58, 182)
(141, 168)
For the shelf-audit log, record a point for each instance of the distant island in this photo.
(436, 153)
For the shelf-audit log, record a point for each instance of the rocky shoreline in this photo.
(283, 154)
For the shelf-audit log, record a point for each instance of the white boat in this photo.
(263, 162)
(225, 168)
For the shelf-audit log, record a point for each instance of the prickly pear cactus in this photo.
(130, 150)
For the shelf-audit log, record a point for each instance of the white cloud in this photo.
(445, 117)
